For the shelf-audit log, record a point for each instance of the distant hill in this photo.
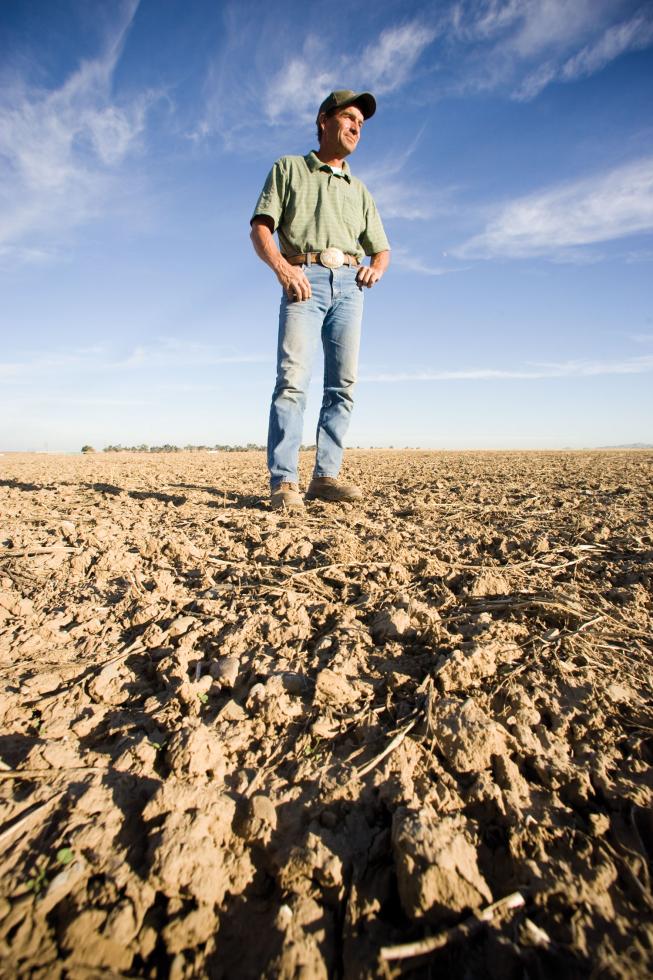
(631, 445)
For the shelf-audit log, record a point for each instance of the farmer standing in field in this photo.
(326, 221)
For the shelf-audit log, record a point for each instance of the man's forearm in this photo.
(291, 277)
(266, 248)
(380, 261)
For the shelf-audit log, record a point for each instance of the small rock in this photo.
(284, 917)
(294, 683)
(225, 670)
(232, 711)
(68, 530)
(255, 697)
(180, 625)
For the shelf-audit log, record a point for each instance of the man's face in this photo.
(342, 130)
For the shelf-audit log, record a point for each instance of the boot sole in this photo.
(333, 498)
(298, 508)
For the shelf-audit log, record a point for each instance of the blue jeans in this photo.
(334, 312)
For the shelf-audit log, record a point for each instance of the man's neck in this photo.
(326, 156)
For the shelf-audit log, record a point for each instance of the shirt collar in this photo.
(314, 163)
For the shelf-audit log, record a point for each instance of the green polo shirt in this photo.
(312, 208)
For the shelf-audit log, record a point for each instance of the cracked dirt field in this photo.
(241, 744)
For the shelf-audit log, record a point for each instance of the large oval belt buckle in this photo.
(332, 257)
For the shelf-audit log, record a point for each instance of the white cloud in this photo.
(525, 45)
(386, 64)
(518, 46)
(547, 24)
(580, 213)
(483, 19)
(299, 86)
(61, 150)
(306, 70)
(630, 35)
(402, 198)
(536, 372)
(303, 80)
(526, 27)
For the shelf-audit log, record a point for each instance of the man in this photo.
(326, 222)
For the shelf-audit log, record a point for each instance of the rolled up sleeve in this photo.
(373, 239)
(271, 199)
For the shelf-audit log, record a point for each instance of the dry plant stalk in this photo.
(467, 928)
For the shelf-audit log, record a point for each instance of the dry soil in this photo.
(242, 744)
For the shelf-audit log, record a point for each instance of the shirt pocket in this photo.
(352, 212)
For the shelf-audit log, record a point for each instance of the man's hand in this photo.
(367, 276)
(370, 274)
(294, 282)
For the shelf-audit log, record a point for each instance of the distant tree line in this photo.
(167, 448)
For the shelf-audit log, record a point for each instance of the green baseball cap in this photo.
(344, 97)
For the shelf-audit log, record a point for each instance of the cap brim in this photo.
(365, 102)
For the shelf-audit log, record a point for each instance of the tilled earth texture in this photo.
(411, 736)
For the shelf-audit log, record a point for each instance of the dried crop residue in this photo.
(244, 743)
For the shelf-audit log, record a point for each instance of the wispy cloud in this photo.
(526, 27)
(405, 259)
(61, 150)
(556, 221)
(158, 354)
(400, 191)
(525, 45)
(289, 78)
(638, 337)
(387, 63)
(637, 255)
(629, 35)
(171, 351)
(269, 75)
(384, 65)
(535, 372)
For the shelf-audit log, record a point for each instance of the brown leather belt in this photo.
(330, 258)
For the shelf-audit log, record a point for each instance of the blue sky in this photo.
(511, 158)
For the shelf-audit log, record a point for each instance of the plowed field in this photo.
(241, 744)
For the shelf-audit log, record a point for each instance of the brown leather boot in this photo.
(329, 488)
(286, 496)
